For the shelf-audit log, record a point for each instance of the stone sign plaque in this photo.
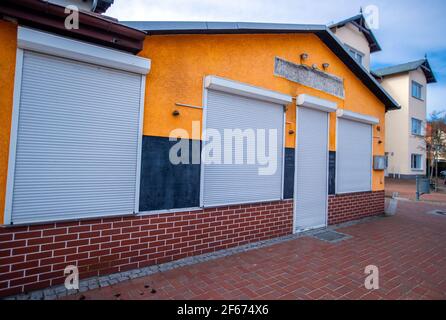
(310, 77)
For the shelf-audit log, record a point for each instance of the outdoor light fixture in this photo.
(303, 57)
(325, 66)
(176, 113)
(291, 131)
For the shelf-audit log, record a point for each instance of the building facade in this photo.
(358, 38)
(93, 172)
(407, 84)
(406, 128)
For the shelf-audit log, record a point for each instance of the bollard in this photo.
(390, 210)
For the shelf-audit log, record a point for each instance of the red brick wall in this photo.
(353, 206)
(34, 257)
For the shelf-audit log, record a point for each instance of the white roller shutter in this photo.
(77, 140)
(311, 169)
(354, 156)
(241, 183)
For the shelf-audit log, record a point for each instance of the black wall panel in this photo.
(332, 173)
(168, 186)
(164, 185)
(289, 173)
(288, 190)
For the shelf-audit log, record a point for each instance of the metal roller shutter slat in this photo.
(77, 140)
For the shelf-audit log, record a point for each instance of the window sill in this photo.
(419, 99)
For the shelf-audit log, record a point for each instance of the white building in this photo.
(358, 38)
(407, 84)
(405, 128)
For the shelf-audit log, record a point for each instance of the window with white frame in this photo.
(354, 156)
(241, 116)
(77, 131)
(417, 90)
(357, 55)
(416, 162)
(417, 127)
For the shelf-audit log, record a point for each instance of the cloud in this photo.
(233, 10)
(408, 28)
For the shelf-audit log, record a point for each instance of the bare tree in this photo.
(435, 139)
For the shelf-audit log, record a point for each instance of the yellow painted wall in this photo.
(8, 48)
(180, 62)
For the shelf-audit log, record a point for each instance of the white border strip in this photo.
(246, 90)
(47, 43)
(140, 137)
(308, 101)
(203, 141)
(349, 115)
(13, 137)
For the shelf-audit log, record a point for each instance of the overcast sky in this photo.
(408, 29)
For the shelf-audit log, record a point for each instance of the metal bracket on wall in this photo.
(188, 106)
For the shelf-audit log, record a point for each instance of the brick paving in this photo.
(407, 189)
(409, 250)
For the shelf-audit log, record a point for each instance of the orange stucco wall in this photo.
(8, 48)
(180, 62)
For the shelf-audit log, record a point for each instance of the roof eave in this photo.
(425, 67)
(152, 28)
(94, 28)
(429, 73)
(371, 39)
(374, 45)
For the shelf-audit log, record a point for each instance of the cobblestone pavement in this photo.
(408, 249)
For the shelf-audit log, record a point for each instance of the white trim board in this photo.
(203, 136)
(140, 137)
(47, 43)
(13, 138)
(246, 90)
(312, 102)
(349, 115)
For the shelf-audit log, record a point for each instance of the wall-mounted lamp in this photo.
(378, 128)
(303, 57)
(291, 131)
(176, 113)
(325, 65)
